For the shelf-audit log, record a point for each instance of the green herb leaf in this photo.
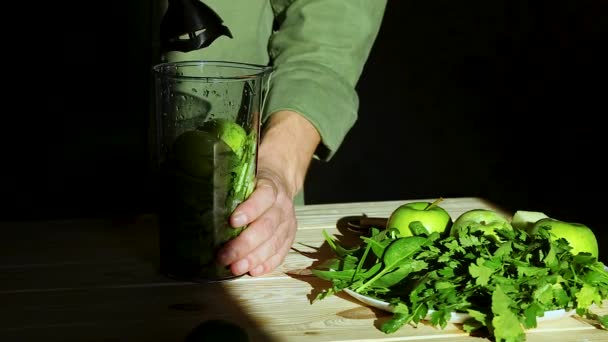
(531, 313)
(506, 326)
(587, 296)
(396, 255)
(338, 249)
(395, 323)
(480, 272)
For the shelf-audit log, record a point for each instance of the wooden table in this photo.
(97, 280)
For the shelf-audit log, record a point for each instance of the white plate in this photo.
(457, 317)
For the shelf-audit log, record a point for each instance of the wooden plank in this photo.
(119, 314)
(280, 308)
(77, 241)
(95, 241)
(125, 272)
(97, 280)
(121, 269)
(38, 255)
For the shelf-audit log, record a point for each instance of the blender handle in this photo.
(192, 18)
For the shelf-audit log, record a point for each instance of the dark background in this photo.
(499, 99)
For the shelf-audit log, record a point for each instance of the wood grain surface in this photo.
(98, 280)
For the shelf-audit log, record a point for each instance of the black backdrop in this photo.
(500, 99)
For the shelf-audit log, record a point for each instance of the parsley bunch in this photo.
(503, 283)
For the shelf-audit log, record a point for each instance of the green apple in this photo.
(484, 219)
(229, 132)
(433, 217)
(580, 237)
(193, 152)
(525, 220)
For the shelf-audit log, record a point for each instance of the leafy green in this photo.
(503, 283)
(243, 174)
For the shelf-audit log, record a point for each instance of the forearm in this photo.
(318, 54)
(288, 143)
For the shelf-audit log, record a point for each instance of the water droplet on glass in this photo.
(194, 90)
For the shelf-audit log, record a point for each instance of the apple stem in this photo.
(434, 204)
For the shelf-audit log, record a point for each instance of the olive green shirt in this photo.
(317, 48)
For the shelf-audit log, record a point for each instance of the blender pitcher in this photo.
(208, 117)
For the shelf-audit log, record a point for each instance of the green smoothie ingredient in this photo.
(428, 216)
(486, 220)
(503, 278)
(208, 173)
(229, 132)
(579, 236)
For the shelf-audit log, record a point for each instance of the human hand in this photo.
(270, 215)
(285, 152)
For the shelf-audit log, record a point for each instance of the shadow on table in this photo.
(97, 280)
(350, 236)
(180, 310)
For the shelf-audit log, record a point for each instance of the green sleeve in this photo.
(318, 51)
